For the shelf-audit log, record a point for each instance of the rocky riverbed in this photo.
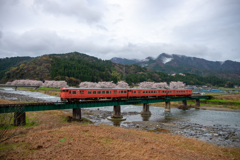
(218, 134)
(19, 97)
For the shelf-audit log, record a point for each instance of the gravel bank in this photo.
(218, 134)
(19, 97)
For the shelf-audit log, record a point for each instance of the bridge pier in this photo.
(77, 114)
(197, 104)
(116, 112)
(184, 105)
(19, 118)
(184, 102)
(145, 110)
(167, 107)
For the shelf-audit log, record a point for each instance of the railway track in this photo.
(87, 101)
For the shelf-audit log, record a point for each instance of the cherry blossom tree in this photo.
(88, 85)
(162, 85)
(122, 84)
(55, 84)
(9, 83)
(26, 82)
(177, 85)
(106, 85)
(146, 85)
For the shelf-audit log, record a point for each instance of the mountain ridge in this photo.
(183, 64)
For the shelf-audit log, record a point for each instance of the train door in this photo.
(70, 94)
(81, 94)
(129, 93)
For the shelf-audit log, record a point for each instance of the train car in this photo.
(76, 94)
(181, 92)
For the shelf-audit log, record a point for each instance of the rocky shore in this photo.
(218, 134)
(19, 97)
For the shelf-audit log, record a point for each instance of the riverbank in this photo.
(135, 121)
(52, 137)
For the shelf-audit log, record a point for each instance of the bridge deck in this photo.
(8, 108)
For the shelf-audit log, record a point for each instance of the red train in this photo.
(76, 94)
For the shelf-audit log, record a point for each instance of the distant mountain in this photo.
(77, 67)
(182, 64)
(124, 60)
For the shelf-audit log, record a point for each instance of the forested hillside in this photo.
(8, 63)
(78, 67)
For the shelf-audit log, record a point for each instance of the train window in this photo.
(89, 92)
(98, 92)
(134, 92)
(103, 92)
(115, 92)
(107, 92)
(125, 91)
(110, 92)
(121, 91)
(74, 92)
(69, 92)
(143, 91)
(62, 90)
(94, 92)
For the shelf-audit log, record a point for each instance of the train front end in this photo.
(64, 94)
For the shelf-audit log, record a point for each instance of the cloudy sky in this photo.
(207, 29)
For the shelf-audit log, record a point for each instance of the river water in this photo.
(203, 117)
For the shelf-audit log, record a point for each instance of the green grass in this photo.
(63, 139)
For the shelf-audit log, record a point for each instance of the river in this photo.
(224, 125)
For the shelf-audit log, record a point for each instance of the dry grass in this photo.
(235, 97)
(162, 104)
(52, 139)
(5, 101)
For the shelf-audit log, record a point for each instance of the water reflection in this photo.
(145, 117)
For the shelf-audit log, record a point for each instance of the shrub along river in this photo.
(218, 127)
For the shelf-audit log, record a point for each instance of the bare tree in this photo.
(6, 122)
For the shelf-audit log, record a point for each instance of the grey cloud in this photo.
(102, 28)
(33, 43)
(1, 34)
(80, 9)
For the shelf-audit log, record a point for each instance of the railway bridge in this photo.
(21, 109)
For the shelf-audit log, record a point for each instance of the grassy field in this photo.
(52, 137)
